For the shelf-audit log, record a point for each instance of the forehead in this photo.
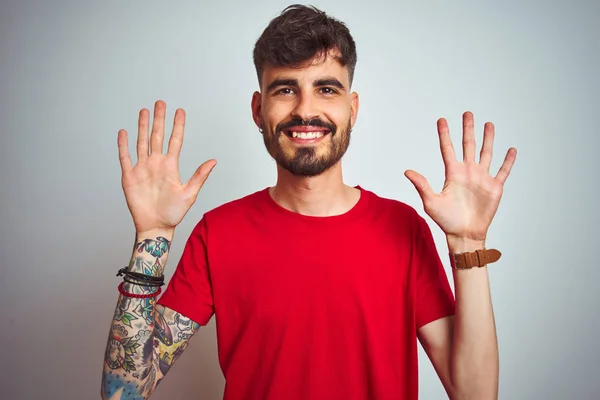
(308, 72)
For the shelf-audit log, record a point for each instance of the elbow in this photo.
(475, 377)
(103, 387)
(110, 387)
(458, 394)
(474, 388)
(480, 383)
(114, 387)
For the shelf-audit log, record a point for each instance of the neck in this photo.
(320, 196)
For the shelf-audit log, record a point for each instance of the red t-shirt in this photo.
(311, 308)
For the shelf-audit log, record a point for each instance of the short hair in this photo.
(299, 34)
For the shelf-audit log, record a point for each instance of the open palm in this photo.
(470, 197)
(155, 195)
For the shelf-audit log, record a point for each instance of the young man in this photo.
(320, 290)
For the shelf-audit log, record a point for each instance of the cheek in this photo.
(339, 115)
(274, 113)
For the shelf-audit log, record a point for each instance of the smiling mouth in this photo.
(306, 134)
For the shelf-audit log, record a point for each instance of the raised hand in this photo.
(465, 207)
(155, 195)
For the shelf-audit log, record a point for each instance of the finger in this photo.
(420, 183)
(197, 180)
(124, 157)
(142, 139)
(509, 161)
(446, 146)
(468, 140)
(158, 128)
(485, 156)
(176, 139)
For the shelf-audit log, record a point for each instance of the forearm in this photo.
(474, 361)
(130, 365)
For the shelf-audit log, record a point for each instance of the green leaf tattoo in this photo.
(119, 353)
(127, 318)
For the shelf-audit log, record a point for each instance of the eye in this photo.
(284, 91)
(328, 90)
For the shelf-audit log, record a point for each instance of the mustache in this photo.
(301, 122)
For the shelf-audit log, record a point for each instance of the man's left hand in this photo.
(465, 207)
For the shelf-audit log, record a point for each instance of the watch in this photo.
(478, 258)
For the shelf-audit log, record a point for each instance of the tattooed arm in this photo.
(145, 339)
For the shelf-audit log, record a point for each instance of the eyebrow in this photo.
(328, 81)
(282, 82)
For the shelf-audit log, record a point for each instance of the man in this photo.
(320, 290)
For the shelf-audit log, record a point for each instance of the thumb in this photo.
(420, 183)
(197, 180)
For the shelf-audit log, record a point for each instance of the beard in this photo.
(305, 162)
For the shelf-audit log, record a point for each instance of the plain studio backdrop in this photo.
(72, 74)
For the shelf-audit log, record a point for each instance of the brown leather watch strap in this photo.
(478, 258)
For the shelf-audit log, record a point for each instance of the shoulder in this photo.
(230, 214)
(396, 209)
(237, 210)
(402, 219)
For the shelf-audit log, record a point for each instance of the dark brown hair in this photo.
(299, 34)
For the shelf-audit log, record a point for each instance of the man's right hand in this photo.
(156, 198)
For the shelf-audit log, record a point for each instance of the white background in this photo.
(73, 73)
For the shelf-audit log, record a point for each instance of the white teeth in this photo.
(307, 135)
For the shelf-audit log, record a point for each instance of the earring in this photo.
(260, 130)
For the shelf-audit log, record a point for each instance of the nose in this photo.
(305, 108)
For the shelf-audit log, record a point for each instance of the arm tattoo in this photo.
(145, 339)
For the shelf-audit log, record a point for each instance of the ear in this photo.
(256, 109)
(353, 108)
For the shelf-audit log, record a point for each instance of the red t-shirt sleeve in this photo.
(189, 291)
(434, 296)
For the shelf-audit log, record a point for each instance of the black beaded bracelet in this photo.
(147, 279)
(140, 283)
